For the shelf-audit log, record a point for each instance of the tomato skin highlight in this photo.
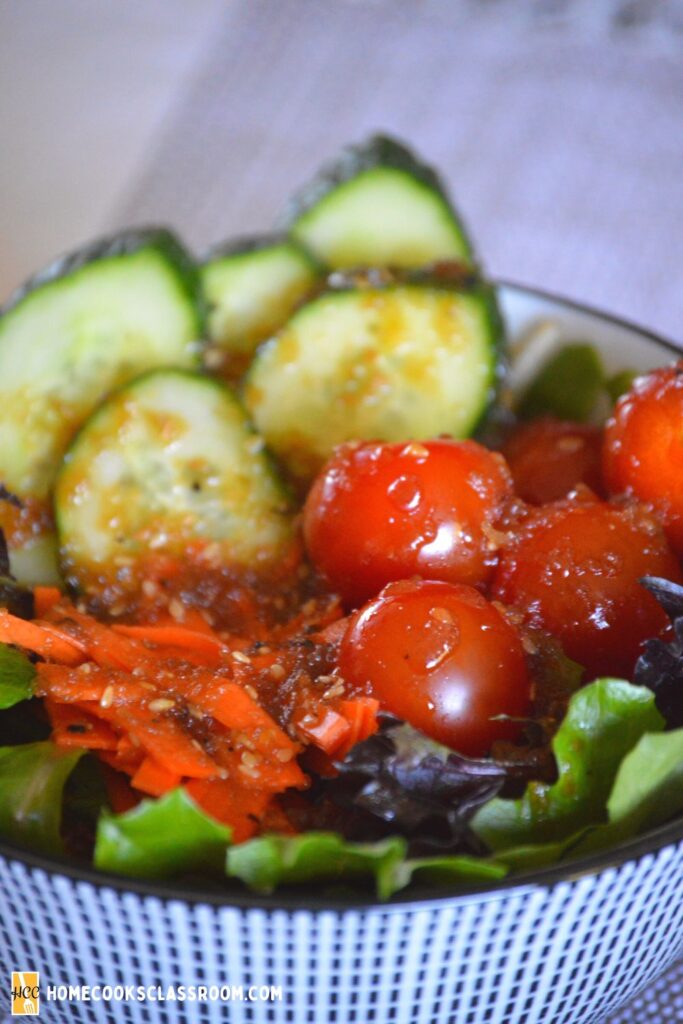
(549, 457)
(443, 658)
(384, 512)
(643, 449)
(574, 570)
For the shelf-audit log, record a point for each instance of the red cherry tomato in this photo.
(643, 452)
(548, 458)
(441, 657)
(383, 512)
(574, 570)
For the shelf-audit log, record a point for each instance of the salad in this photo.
(293, 591)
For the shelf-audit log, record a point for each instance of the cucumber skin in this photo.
(124, 243)
(246, 244)
(377, 151)
(453, 277)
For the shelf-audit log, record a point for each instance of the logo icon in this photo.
(25, 993)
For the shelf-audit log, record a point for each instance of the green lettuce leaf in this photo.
(159, 838)
(268, 861)
(17, 675)
(326, 857)
(647, 792)
(32, 780)
(447, 870)
(620, 383)
(604, 721)
(569, 385)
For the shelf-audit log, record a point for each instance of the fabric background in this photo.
(561, 136)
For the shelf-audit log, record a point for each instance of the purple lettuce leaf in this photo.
(416, 788)
(660, 666)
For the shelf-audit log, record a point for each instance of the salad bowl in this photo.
(562, 945)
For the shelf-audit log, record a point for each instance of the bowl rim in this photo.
(652, 842)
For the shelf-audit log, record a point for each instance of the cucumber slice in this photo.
(252, 287)
(168, 464)
(400, 362)
(377, 205)
(89, 323)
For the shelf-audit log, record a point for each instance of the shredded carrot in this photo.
(361, 714)
(173, 702)
(329, 733)
(203, 644)
(31, 636)
(119, 793)
(163, 738)
(153, 779)
(103, 645)
(44, 599)
(74, 727)
(70, 685)
(270, 759)
(231, 804)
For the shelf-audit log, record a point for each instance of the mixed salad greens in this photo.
(291, 590)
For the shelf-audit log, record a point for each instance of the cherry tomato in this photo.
(383, 512)
(443, 658)
(574, 568)
(643, 452)
(548, 458)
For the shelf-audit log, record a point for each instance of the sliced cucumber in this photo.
(404, 361)
(377, 205)
(251, 288)
(169, 463)
(92, 321)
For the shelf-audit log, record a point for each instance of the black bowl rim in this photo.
(650, 843)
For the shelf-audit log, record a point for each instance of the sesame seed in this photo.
(284, 755)
(197, 745)
(569, 444)
(107, 698)
(244, 659)
(150, 588)
(251, 692)
(212, 555)
(162, 704)
(251, 760)
(85, 668)
(277, 671)
(123, 561)
(177, 610)
(418, 451)
(441, 614)
(334, 691)
(213, 358)
(138, 671)
(265, 649)
(251, 772)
